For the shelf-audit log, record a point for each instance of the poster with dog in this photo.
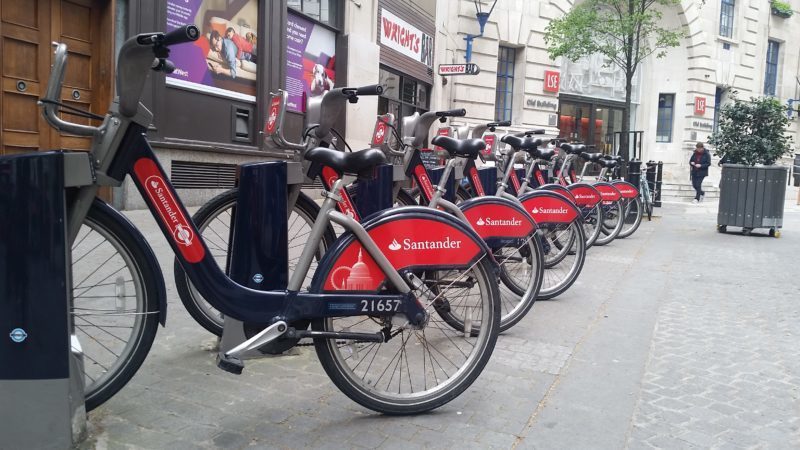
(310, 61)
(224, 60)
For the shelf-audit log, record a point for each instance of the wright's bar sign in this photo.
(459, 69)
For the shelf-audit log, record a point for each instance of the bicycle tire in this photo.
(612, 223)
(532, 254)
(560, 277)
(334, 355)
(104, 303)
(632, 207)
(200, 310)
(591, 225)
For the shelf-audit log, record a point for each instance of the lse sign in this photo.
(551, 81)
(699, 106)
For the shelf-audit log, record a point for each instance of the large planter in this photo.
(752, 197)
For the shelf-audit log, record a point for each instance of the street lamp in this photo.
(483, 18)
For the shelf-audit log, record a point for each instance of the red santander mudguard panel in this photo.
(491, 218)
(557, 188)
(626, 189)
(412, 242)
(585, 194)
(549, 207)
(608, 192)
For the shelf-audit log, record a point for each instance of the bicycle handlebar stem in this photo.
(324, 110)
(278, 137)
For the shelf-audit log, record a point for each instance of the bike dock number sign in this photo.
(459, 69)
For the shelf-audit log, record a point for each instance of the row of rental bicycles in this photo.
(401, 276)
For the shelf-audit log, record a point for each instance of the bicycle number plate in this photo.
(380, 305)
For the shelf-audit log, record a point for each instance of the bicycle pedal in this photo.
(230, 364)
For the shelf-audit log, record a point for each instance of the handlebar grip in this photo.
(375, 89)
(452, 113)
(186, 33)
(505, 123)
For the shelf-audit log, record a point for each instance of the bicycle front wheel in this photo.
(418, 370)
(612, 223)
(521, 273)
(592, 223)
(633, 217)
(560, 276)
(114, 310)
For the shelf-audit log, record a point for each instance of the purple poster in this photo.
(224, 60)
(310, 61)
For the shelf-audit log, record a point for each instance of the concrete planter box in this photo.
(752, 197)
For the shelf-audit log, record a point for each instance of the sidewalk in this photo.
(677, 337)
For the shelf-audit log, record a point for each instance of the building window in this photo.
(402, 96)
(666, 104)
(726, 18)
(771, 75)
(506, 57)
(321, 10)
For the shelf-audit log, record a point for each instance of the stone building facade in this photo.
(729, 46)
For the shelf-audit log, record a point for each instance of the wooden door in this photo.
(27, 28)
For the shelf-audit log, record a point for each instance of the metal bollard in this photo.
(41, 372)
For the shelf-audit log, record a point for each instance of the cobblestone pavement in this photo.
(678, 337)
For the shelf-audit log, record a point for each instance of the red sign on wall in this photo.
(699, 106)
(551, 81)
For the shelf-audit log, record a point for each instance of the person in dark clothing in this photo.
(699, 162)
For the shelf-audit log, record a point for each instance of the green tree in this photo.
(752, 132)
(624, 31)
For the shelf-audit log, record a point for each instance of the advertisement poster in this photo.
(310, 61)
(224, 60)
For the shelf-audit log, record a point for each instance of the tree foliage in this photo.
(624, 31)
(752, 132)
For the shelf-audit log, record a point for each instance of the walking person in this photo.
(699, 162)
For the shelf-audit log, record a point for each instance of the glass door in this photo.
(574, 120)
(608, 120)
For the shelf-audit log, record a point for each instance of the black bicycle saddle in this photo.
(575, 149)
(469, 148)
(607, 163)
(591, 156)
(545, 153)
(356, 163)
(527, 144)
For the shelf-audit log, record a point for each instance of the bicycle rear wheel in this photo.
(115, 301)
(418, 370)
(633, 217)
(560, 276)
(214, 221)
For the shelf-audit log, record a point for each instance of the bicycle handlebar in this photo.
(452, 113)
(182, 35)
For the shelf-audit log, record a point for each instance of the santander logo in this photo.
(513, 222)
(559, 210)
(180, 231)
(583, 196)
(170, 216)
(408, 244)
